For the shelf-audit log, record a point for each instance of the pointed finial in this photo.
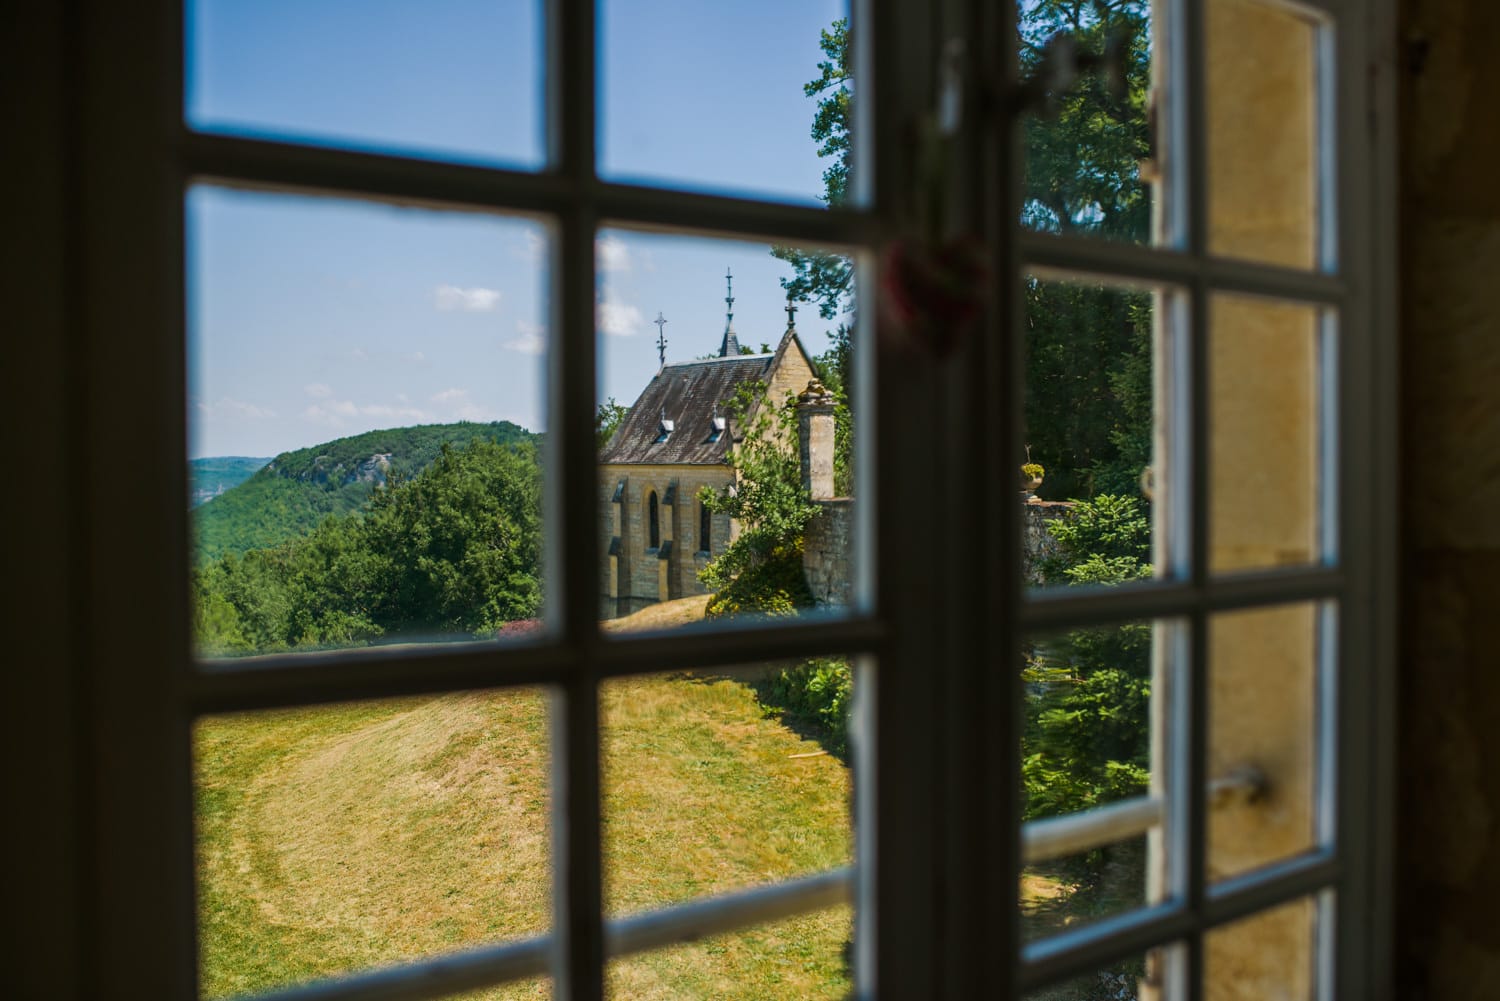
(661, 340)
(791, 312)
(731, 344)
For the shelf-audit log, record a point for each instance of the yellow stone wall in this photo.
(1264, 479)
(637, 576)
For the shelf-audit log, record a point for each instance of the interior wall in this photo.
(1448, 871)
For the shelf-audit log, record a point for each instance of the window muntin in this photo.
(1222, 495)
(1041, 965)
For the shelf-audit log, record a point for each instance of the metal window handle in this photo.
(1062, 63)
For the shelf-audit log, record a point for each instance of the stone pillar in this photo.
(815, 439)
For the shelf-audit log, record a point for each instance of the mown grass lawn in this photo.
(339, 838)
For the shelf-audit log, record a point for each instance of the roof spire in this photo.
(731, 344)
(661, 340)
(791, 313)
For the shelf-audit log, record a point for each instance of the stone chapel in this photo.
(655, 534)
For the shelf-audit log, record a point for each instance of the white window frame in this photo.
(935, 912)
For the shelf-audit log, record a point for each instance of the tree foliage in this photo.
(1087, 735)
(818, 276)
(453, 549)
(297, 490)
(1082, 170)
(761, 570)
(607, 420)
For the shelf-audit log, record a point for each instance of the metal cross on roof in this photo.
(661, 340)
(791, 312)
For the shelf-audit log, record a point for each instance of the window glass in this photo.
(365, 408)
(744, 99)
(457, 79)
(721, 392)
(1140, 976)
(335, 838)
(1264, 157)
(1093, 772)
(1091, 164)
(724, 779)
(1266, 723)
(1272, 954)
(1098, 477)
(806, 957)
(1268, 409)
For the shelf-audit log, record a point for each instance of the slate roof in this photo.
(687, 392)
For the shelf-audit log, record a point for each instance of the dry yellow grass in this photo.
(339, 838)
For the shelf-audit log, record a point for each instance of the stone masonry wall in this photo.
(826, 547)
(1037, 542)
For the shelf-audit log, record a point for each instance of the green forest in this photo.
(453, 549)
(211, 477)
(288, 496)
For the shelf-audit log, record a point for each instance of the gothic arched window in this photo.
(653, 520)
(705, 528)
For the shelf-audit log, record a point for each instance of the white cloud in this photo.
(338, 413)
(612, 254)
(472, 300)
(318, 390)
(618, 319)
(417, 358)
(454, 405)
(536, 247)
(226, 406)
(531, 338)
(360, 354)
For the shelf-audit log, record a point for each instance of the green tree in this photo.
(455, 548)
(818, 276)
(1087, 735)
(607, 420)
(761, 570)
(1082, 169)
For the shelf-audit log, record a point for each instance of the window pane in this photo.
(1267, 411)
(727, 97)
(727, 431)
(1264, 707)
(1080, 889)
(1097, 476)
(1090, 165)
(1140, 977)
(336, 838)
(383, 367)
(719, 780)
(1094, 794)
(804, 957)
(1264, 163)
(1273, 954)
(458, 79)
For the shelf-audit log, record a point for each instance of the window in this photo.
(938, 624)
(653, 521)
(705, 528)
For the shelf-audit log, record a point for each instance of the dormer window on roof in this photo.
(665, 430)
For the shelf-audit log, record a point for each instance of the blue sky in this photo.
(310, 319)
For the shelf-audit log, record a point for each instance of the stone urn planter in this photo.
(1031, 478)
